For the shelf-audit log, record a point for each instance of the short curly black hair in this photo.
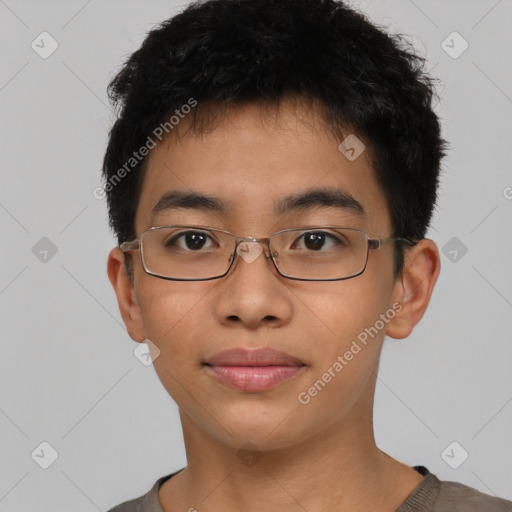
(226, 52)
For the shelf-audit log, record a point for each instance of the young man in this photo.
(270, 181)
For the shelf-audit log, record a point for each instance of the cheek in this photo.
(335, 314)
(345, 329)
(172, 312)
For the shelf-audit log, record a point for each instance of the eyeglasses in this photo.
(201, 253)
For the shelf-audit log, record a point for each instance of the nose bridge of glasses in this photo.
(250, 248)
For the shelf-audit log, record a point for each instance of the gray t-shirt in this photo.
(431, 495)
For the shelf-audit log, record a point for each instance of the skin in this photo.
(315, 457)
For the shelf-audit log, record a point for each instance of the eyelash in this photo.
(327, 235)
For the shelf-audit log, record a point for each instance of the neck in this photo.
(339, 469)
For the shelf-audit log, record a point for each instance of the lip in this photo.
(253, 370)
(264, 356)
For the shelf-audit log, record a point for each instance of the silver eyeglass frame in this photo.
(372, 243)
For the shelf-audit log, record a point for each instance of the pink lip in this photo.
(254, 370)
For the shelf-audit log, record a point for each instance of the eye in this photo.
(190, 240)
(316, 240)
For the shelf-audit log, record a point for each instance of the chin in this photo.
(266, 431)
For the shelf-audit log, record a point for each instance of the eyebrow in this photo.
(175, 199)
(320, 197)
(305, 200)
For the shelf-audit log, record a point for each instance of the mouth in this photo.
(253, 370)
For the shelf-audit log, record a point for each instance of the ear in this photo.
(414, 287)
(126, 297)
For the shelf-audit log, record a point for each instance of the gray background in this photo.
(68, 373)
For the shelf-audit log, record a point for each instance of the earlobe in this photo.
(126, 297)
(414, 288)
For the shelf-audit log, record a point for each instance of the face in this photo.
(250, 162)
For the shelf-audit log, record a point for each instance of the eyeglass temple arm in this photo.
(130, 246)
(377, 243)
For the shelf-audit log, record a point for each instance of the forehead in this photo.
(256, 165)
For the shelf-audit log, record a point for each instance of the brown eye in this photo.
(189, 240)
(317, 240)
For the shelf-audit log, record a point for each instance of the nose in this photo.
(252, 293)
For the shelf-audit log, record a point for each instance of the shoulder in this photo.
(135, 505)
(148, 502)
(457, 497)
(434, 495)
(139, 504)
